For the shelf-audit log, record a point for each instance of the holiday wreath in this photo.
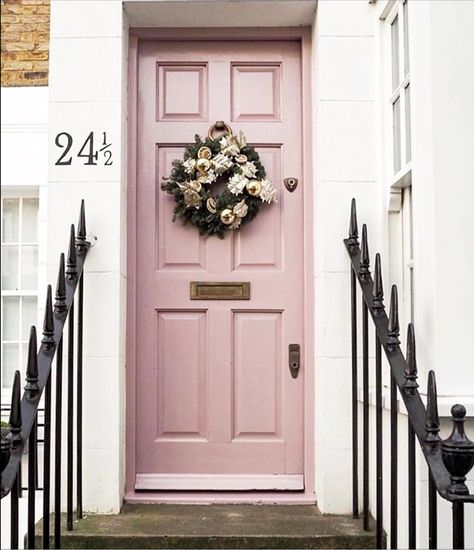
(228, 163)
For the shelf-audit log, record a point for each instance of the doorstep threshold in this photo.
(220, 497)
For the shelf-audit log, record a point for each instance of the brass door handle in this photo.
(294, 359)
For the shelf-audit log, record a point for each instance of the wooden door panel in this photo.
(178, 248)
(181, 381)
(250, 251)
(214, 392)
(257, 406)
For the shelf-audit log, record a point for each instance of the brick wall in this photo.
(25, 42)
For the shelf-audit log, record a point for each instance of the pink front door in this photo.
(217, 407)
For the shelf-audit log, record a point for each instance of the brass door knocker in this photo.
(219, 126)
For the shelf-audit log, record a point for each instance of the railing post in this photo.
(364, 273)
(15, 424)
(432, 438)
(377, 303)
(32, 393)
(47, 345)
(393, 342)
(81, 249)
(71, 274)
(57, 444)
(410, 387)
(353, 243)
(458, 525)
(458, 457)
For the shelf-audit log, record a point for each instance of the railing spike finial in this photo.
(31, 386)
(393, 323)
(377, 292)
(71, 269)
(364, 271)
(432, 417)
(411, 371)
(458, 452)
(15, 421)
(353, 229)
(60, 303)
(81, 230)
(48, 323)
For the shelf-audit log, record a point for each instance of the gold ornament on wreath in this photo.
(223, 161)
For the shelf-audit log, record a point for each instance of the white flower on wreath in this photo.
(229, 146)
(237, 184)
(241, 209)
(249, 169)
(241, 140)
(208, 177)
(268, 193)
(221, 163)
(189, 165)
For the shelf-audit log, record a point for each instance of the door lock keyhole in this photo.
(294, 359)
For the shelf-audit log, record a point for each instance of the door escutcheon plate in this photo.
(291, 184)
(294, 359)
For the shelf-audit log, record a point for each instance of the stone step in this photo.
(217, 526)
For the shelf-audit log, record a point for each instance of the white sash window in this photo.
(19, 282)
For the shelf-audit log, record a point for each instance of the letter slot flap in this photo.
(294, 359)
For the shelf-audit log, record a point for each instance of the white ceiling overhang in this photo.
(217, 13)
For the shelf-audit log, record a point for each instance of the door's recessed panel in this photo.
(256, 92)
(181, 375)
(182, 92)
(256, 375)
(250, 250)
(177, 246)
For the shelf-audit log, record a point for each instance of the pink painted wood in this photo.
(214, 394)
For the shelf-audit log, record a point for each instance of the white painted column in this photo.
(345, 167)
(87, 94)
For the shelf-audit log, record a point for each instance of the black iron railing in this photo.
(448, 460)
(22, 433)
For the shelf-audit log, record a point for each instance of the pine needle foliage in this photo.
(207, 222)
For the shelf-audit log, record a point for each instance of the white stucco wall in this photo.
(87, 93)
(345, 167)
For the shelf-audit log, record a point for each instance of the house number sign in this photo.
(91, 153)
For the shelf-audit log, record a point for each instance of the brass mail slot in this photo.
(204, 290)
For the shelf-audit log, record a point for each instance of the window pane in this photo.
(406, 57)
(9, 267)
(10, 221)
(395, 54)
(10, 363)
(10, 318)
(396, 135)
(29, 316)
(24, 357)
(30, 221)
(407, 123)
(29, 268)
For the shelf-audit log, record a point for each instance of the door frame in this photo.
(303, 35)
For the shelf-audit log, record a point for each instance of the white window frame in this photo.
(397, 178)
(21, 193)
(398, 182)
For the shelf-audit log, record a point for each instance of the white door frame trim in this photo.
(302, 34)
